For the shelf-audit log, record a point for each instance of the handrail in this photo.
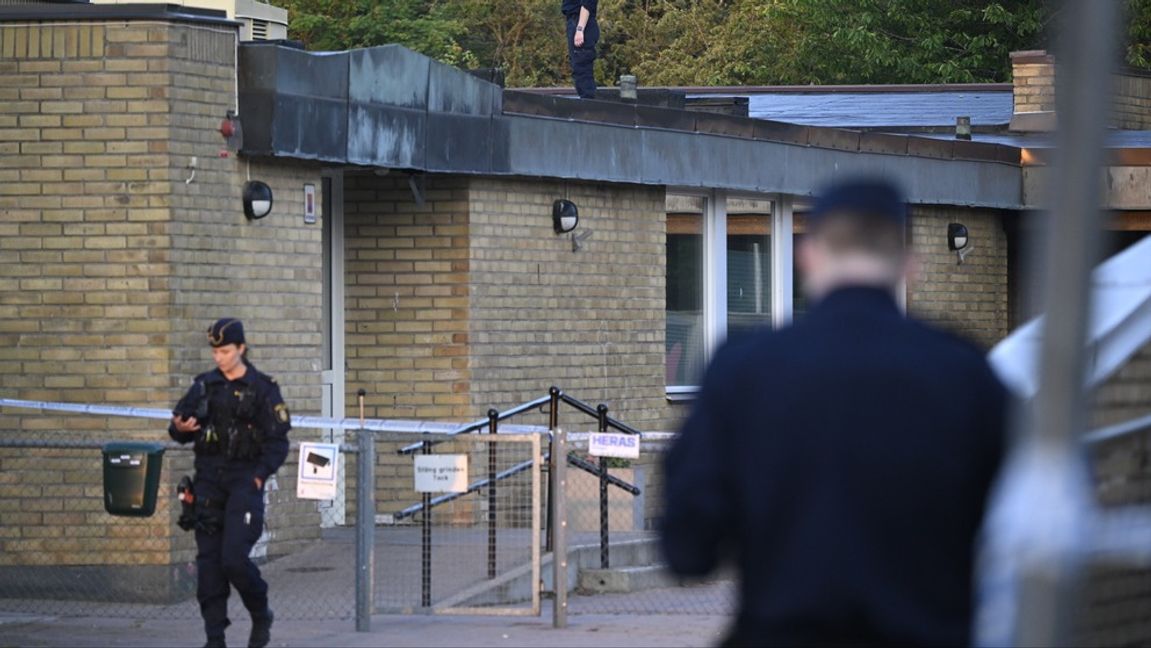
(589, 467)
(591, 411)
(511, 472)
(554, 398)
(473, 487)
(520, 409)
(1118, 430)
(479, 424)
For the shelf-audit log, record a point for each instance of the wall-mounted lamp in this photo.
(958, 241)
(257, 199)
(565, 216)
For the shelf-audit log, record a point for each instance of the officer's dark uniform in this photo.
(582, 58)
(843, 464)
(244, 437)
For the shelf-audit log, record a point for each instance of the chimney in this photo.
(1033, 77)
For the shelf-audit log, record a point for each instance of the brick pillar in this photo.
(113, 260)
(1033, 77)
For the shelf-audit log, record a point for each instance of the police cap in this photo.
(228, 330)
(867, 197)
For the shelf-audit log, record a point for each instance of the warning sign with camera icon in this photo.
(319, 470)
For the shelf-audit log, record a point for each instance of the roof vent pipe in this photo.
(627, 88)
(963, 128)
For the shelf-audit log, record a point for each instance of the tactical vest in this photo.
(232, 428)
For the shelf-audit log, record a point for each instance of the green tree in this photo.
(910, 41)
(1138, 51)
(525, 38)
(422, 25)
(713, 42)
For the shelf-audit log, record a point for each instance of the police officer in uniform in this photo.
(239, 424)
(842, 463)
(582, 36)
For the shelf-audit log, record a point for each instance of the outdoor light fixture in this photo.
(565, 216)
(956, 236)
(257, 199)
(958, 240)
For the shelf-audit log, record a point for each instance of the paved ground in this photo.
(313, 594)
(600, 630)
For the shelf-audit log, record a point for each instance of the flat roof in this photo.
(1123, 147)
(878, 110)
(907, 106)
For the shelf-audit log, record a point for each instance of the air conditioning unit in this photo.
(258, 20)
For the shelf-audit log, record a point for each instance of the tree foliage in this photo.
(713, 42)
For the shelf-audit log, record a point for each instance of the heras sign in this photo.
(607, 444)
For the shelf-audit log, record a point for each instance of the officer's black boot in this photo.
(215, 632)
(261, 630)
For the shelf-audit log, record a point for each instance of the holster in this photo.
(187, 519)
(209, 516)
(203, 515)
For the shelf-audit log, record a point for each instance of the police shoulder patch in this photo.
(282, 413)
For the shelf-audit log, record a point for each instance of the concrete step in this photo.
(623, 580)
(516, 585)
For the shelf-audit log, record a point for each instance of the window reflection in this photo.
(748, 266)
(684, 289)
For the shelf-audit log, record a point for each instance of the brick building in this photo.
(410, 250)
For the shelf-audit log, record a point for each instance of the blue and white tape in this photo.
(305, 422)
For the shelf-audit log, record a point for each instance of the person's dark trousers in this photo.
(583, 58)
(222, 558)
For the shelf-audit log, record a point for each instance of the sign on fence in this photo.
(441, 473)
(319, 470)
(610, 444)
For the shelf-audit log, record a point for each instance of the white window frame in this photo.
(715, 269)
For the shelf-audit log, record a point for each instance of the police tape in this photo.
(304, 422)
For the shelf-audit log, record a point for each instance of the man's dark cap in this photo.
(228, 330)
(865, 197)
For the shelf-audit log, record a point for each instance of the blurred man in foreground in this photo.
(841, 463)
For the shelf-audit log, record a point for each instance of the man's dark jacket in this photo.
(843, 463)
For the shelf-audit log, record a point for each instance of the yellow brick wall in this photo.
(590, 322)
(1132, 102)
(968, 299)
(83, 309)
(1033, 78)
(112, 266)
(407, 298)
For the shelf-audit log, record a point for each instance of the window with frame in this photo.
(726, 276)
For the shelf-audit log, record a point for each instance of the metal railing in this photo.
(375, 587)
(555, 397)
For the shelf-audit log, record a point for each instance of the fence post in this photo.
(559, 525)
(553, 424)
(604, 557)
(365, 524)
(426, 542)
(493, 425)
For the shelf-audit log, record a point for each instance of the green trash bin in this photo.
(132, 477)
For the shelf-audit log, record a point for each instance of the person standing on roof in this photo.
(582, 36)
(842, 463)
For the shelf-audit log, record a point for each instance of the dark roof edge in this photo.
(95, 12)
(747, 128)
(806, 89)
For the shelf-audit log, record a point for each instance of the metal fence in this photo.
(491, 549)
